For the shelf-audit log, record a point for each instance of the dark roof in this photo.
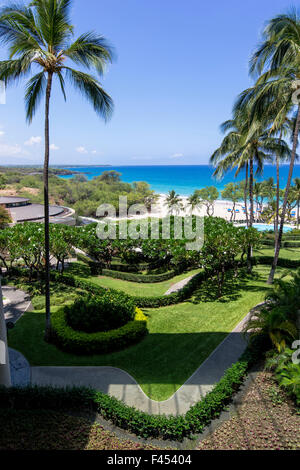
(33, 212)
(12, 199)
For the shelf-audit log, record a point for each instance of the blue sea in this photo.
(183, 179)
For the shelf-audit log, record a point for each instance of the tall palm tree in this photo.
(297, 194)
(277, 62)
(194, 201)
(40, 37)
(173, 202)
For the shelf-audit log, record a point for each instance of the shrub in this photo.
(99, 313)
(135, 421)
(142, 278)
(82, 343)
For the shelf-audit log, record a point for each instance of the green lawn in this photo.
(132, 288)
(181, 336)
(290, 253)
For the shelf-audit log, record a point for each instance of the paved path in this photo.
(177, 287)
(121, 385)
(19, 302)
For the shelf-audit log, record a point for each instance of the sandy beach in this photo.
(222, 209)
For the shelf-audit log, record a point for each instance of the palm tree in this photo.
(297, 195)
(244, 146)
(277, 61)
(194, 201)
(173, 202)
(40, 36)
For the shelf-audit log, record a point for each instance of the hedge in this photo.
(282, 262)
(128, 418)
(118, 267)
(79, 342)
(142, 278)
(284, 244)
(142, 302)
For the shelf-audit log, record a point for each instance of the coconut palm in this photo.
(277, 61)
(194, 201)
(40, 41)
(173, 202)
(246, 145)
(297, 195)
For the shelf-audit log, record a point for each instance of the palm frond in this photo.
(34, 92)
(91, 51)
(92, 90)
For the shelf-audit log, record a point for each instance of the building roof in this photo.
(12, 199)
(33, 212)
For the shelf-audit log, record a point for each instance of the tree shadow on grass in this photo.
(232, 288)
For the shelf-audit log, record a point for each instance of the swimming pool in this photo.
(266, 227)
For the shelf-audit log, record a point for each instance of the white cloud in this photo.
(7, 150)
(54, 147)
(33, 141)
(177, 155)
(94, 152)
(81, 150)
(2, 133)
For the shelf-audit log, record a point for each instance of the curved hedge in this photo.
(142, 278)
(282, 262)
(142, 302)
(79, 342)
(90, 313)
(125, 417)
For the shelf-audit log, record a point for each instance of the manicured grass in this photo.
(132, 288)
(181, 336)
(289, 253)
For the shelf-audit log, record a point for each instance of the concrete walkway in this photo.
(17, 303)
(121, 385)
(179, 285)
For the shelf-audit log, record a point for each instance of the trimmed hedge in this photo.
(79, 342)
(284, 243)
(90, 313)
(117, 267)
(142, 278)
(282, 262)
(142, 302)
(130, 419)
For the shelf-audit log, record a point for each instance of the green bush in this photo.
(282, 262)
(99, 313)
(125, 417)
(142, 302)
(82, 343)
(142, 278)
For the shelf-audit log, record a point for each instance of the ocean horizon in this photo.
(184, 179)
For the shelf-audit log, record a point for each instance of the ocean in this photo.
(184, 179)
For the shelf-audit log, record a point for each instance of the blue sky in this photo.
(180, 65)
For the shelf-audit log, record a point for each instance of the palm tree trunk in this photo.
(277, 201)
(46, 208)
(298, 201)
(284, 206)
(246, 195)
(251, 182)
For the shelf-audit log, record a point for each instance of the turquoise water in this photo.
(266, 227)
(183, 179)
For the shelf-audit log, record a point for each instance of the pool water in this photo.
(266, 227)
